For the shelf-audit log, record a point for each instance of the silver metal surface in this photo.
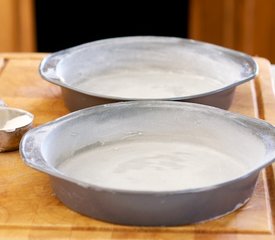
(44, 148)
(2, 103)
(10, 138)
(167, 55)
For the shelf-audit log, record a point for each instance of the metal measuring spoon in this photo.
(2, 103)
(14, 123)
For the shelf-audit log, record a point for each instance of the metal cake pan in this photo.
(147, 68)
(151, 163)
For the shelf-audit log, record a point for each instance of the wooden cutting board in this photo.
(30, 210)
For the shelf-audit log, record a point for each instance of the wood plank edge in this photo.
(269, 173)
(132, 230)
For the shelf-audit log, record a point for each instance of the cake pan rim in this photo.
(46, 128)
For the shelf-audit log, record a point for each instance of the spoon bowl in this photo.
(14, 123)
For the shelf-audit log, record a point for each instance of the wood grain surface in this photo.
(30, 210)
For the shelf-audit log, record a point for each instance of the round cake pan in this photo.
(151, 163)
(147, 68)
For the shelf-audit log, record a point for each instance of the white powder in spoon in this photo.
(16, 122)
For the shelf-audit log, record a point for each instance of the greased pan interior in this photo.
(153, 141)
(147, 68)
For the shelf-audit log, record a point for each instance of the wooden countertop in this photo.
(30, 210)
